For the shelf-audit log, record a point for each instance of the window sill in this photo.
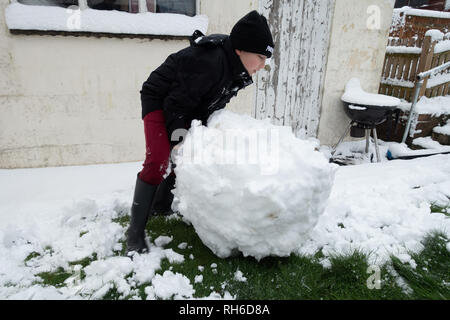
(95, 34)
(46, 20)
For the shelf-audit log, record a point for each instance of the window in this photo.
(56, 3)
(401, 3)
(187, 7)
(439, 5)
(119, 5)
(136, 18)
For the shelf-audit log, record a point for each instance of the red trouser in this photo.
(157, 148)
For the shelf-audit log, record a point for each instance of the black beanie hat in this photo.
(252, 34)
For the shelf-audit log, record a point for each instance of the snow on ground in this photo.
(430, 144)
(384, 208)
(66, 213)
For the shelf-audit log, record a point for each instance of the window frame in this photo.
(142, 5)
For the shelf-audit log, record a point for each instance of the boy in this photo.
(191, 84)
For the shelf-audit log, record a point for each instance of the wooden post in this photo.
(290, 91)
(426, 58)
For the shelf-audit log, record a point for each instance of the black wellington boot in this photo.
(140, 209)
(164, 197)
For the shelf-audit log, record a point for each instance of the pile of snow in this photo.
(28, 17)
(248, 185)
(356, 95)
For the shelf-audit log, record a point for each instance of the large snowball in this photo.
(247, 185)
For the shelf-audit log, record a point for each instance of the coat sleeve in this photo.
(198, 72)
(157, 86)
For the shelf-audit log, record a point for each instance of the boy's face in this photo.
(252, 62)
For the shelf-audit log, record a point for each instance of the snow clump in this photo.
(247, 185)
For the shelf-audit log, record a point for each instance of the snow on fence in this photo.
(410, 51)
(407, 57)
(408, 23)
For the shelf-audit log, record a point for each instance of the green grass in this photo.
(292, 277)
(438, 209)
(430, 279)
(55, 278)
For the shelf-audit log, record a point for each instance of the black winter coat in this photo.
(194, 82)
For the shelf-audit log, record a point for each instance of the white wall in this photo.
(75, 100)
(355, 51)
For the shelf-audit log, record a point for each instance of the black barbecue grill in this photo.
(367, 116)
(366, 111)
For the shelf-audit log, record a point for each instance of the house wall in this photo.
(68, 100)
(357, 47)
(75, 100)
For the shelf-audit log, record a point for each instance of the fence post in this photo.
(426, 58)
(420, 86)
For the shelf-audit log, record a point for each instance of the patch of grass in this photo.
(202, 256)
(348, 278)
(82, 233)
(124, 220)
(112, 294)
(290, 277)
(430, 278)
(32, 255)
(85, 261)
(444, 210)
(293, 277)
(55, 278)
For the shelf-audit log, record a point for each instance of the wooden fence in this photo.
(405, 58)
(410, 52)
